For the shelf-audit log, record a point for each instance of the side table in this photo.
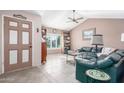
(71, 53)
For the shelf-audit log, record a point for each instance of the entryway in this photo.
(17, 44)
(55, 70)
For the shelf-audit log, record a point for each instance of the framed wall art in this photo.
(88, 33)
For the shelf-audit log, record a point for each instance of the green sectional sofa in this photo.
(112, 64)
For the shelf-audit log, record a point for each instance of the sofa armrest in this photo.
(118, 70)
(104, 63)
(86, 62)
(121, 62)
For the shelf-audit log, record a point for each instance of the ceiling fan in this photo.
(73, 18)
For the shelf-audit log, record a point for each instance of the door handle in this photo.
(30, 46)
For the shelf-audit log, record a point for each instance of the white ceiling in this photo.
(58, 18)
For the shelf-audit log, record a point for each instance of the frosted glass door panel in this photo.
(13, 37)
(25, 25)
(13, 24)
(13, 56)
(25, 37)
(25, 56)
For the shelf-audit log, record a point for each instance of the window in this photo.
(53, 41)
(122, 37)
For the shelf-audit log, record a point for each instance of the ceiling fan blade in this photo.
(80, 18)
(68, 21)
(70, 18)
(76, 21)
(72, 21)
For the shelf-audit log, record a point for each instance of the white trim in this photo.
(3, 15)
(2, 44)
(53, 48)
(59, 34)
(15, 17)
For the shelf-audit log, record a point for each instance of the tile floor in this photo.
(56, 70)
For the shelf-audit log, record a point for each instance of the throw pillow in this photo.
(107, 51)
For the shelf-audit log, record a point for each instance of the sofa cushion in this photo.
(120, 52)
(101, 56)
(114, 57)
(88, 55)
(104, 63)
(80, 50)
(91, 54)
(86, 62)
(87, 49)
(99, 49)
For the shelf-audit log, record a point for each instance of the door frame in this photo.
(3, 47)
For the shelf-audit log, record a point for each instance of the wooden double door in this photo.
(17, 44)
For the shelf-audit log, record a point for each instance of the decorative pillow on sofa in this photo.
(107, 51)
(114, 57)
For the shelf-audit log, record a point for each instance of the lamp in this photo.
(97, 40)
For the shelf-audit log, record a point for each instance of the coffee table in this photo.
(71, 53)
(97, 75)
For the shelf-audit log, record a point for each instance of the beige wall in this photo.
(110, 28)
(36, 37)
